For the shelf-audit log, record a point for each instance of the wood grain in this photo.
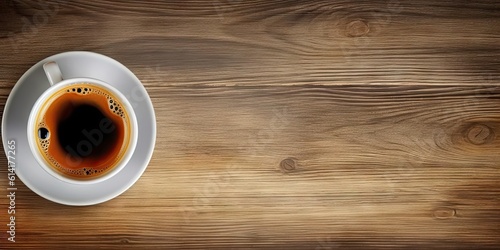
(284, 124)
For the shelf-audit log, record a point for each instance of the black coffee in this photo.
(83, 131)
(89, 119)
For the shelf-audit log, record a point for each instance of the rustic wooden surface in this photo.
(284, 124)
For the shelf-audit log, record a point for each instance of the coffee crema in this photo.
(83, 131)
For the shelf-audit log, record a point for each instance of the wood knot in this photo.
(444, 213)
(357, 28)
(125, 241)
(479, 134)
(288, 165)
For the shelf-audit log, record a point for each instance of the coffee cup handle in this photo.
(53, 72)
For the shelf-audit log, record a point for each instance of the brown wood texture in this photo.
(283, 124)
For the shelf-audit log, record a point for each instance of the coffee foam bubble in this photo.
(88, 171)
(113, 106)
(44, 144)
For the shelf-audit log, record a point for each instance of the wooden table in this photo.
(283, 124)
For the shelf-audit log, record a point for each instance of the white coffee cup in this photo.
(57, 83)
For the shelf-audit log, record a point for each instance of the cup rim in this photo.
(52, 89)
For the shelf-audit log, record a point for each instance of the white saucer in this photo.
(27, 90)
